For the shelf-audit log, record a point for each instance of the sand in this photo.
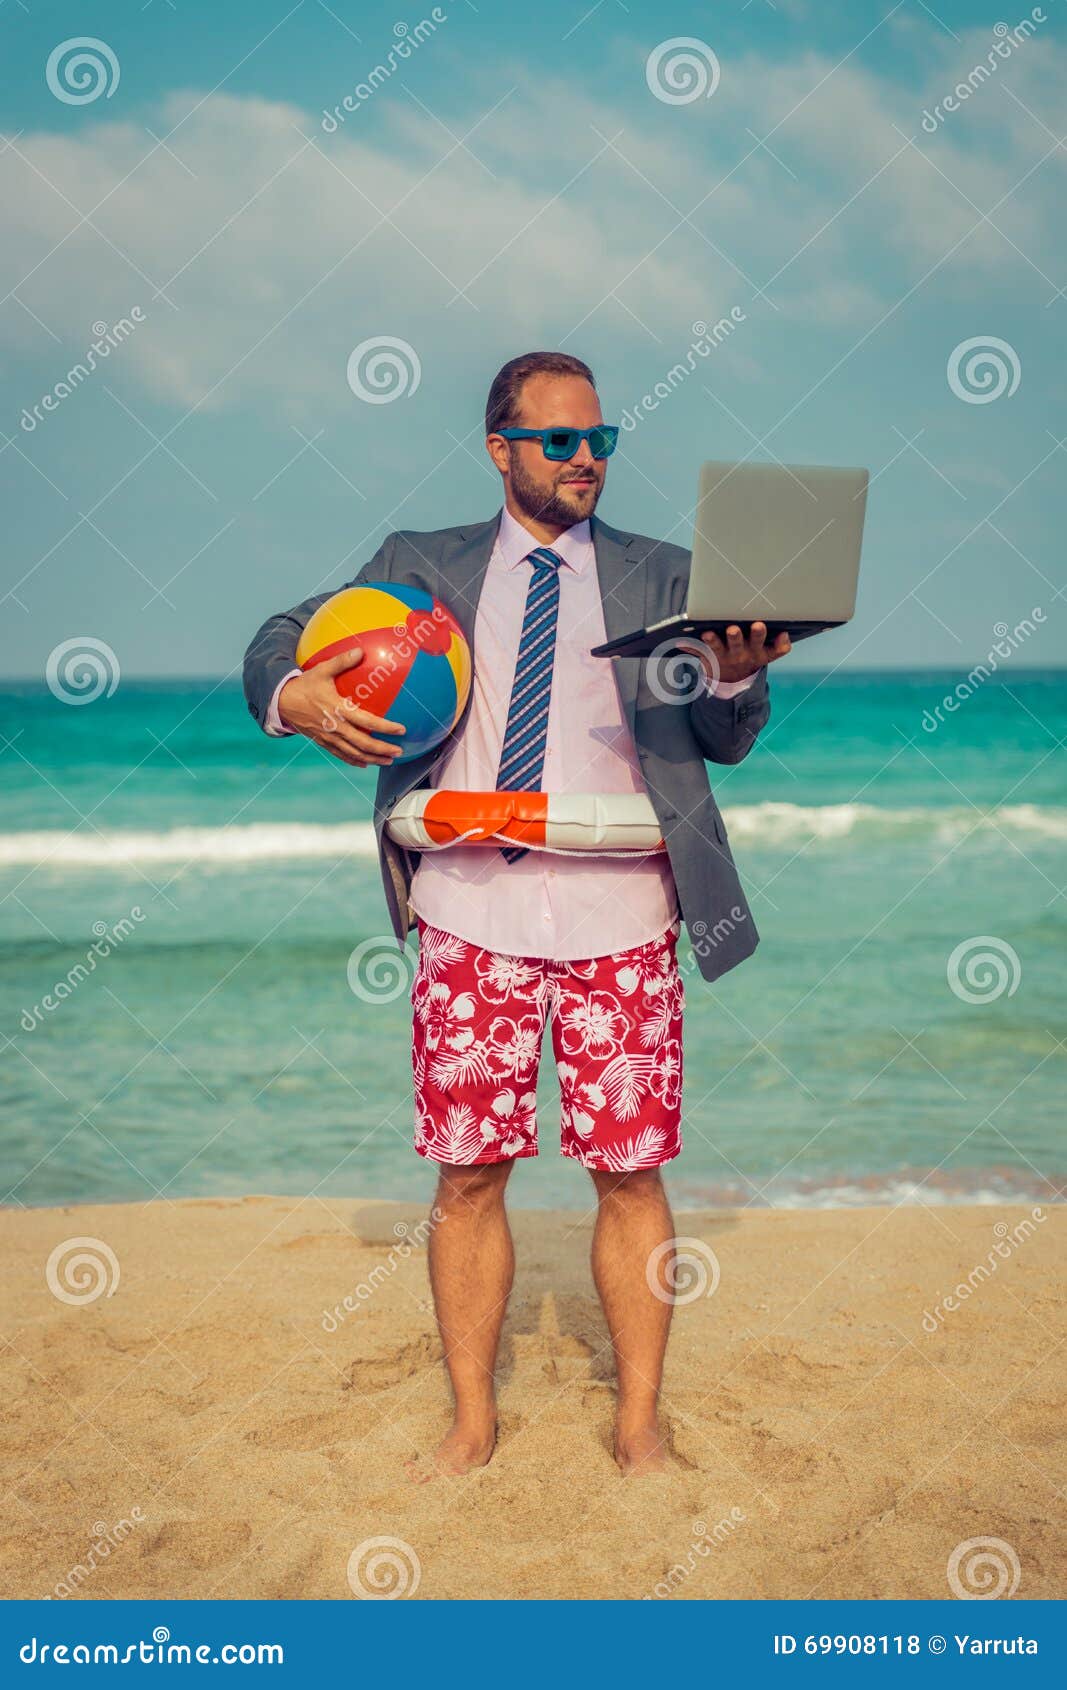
(208, 1430)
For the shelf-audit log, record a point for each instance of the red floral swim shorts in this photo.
(479, 1020)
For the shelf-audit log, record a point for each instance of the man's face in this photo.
(553, 492)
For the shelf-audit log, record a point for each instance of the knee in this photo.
(642, 1186)
(465, 1189)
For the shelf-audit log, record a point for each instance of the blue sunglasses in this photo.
(559, 444)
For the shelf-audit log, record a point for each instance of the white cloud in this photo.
(275, 219)
(266, 236)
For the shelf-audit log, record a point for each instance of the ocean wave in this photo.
(753, 825)
(932, 1187)
(259, 842)
(785, 824)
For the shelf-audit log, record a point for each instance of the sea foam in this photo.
(770, 824)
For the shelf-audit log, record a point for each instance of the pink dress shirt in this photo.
(563, 908)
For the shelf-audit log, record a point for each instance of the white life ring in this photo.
(436, 819)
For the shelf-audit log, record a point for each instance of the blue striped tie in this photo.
(522, 755)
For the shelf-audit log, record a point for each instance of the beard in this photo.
(560, 503)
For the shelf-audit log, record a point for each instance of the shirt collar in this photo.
(515, 543)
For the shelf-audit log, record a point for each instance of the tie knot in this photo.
(542, 558)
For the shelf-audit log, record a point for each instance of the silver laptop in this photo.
(773, 543)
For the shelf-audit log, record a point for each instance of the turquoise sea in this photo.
(901, 1022)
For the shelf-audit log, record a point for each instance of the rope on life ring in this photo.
(609, 824)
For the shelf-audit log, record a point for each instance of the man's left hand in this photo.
(739, 658)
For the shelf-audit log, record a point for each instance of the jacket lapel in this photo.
(457, 581)
(622, 591)
(461, 577)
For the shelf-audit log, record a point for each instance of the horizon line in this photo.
(1019, 669)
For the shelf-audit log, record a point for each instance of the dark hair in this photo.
(502, 406)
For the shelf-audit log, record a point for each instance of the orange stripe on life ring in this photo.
(518, 816)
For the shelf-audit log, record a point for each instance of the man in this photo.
(508, 936)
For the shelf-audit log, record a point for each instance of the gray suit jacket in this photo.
(641, 582)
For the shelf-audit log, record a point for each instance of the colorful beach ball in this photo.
(416, 666)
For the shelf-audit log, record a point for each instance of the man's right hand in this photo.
(310, 704)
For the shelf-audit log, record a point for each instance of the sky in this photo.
(598, 178)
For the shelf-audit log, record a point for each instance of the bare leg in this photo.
(472, 1264)
(634, 1218)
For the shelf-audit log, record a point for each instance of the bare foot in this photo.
(461, 1450)
(640, 1450)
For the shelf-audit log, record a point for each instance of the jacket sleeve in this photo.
(726, 728)
(272, 652)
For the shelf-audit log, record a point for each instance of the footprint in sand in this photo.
(391, 1366)
(548, 1356)
(197, 1544)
